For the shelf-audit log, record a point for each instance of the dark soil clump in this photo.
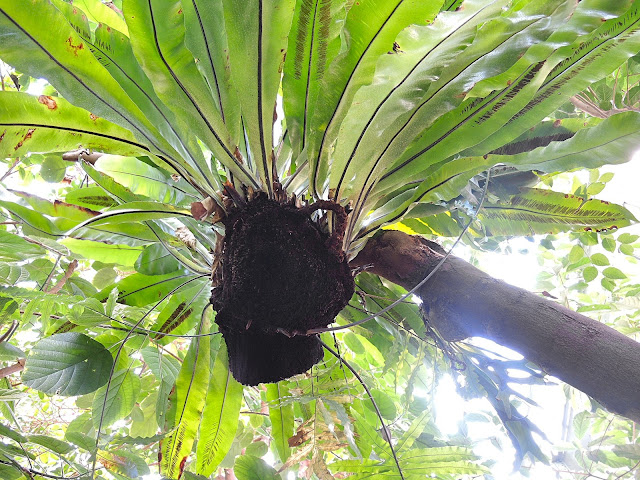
(281, 276)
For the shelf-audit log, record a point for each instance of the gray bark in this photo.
(461, 301)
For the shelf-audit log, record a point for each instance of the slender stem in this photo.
(387, 432)
(10, 171)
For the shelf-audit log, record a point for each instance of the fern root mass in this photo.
(282, 276)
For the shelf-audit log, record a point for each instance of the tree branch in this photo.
(67, 275)
(17, 367)
(461, 301)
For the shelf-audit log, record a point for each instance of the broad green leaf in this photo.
(314, 42)
(139, 290)
(385, 404)
(121, 254)
(372, 27)
(608, 284)
(33, 222)
(118, 192)
(353, 342)
(578, 65)
(257, 39)
(281, 416)
(91, 313)
(164, 367)
(57, 209)
(191, 387)
(181, 312)
(157, 36)
(51, 443)
(143, 179)
(156, 260)
(9, 472)
(14, 247)
(609, 142)
(10, 352)
(628, 238)
(589, 274)
(609, 244)
(59, 54)
(220, 416)
(67, 364)
(248, 467)
(93, 197)
(143, 420)
(599, 259)
(595, 188)
(443, 183)
(402, 78)
(8, 432)
(99, 13)
(104, 277)
(607, 177)
(576, 253)
(614, 273)
(627, 249)
(406, 442)
(51, 124)
(414, 138)
(113, 50)
(7, 306)
(545, 211)
(132, 212)
(205, 37)
(53, 169)
(468, 124)
(11, 274)
(124, 464)
(117, 402)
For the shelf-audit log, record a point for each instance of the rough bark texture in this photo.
(461, 301)
(281, 275)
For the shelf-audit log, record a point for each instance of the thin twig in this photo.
(31, 473)
(630, 471)
(50, 276)
(10, 331)
(10, 171)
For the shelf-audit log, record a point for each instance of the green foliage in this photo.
(402, 110)
(67, 364)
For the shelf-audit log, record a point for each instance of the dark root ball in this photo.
(281, 276)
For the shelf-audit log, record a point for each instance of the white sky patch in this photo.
(152, 476)
(449, 406)
(269, 458)
(37, 87)
(518, 268)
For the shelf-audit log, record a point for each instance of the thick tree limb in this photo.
(461, 301)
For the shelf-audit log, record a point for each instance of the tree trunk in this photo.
(461, 301)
